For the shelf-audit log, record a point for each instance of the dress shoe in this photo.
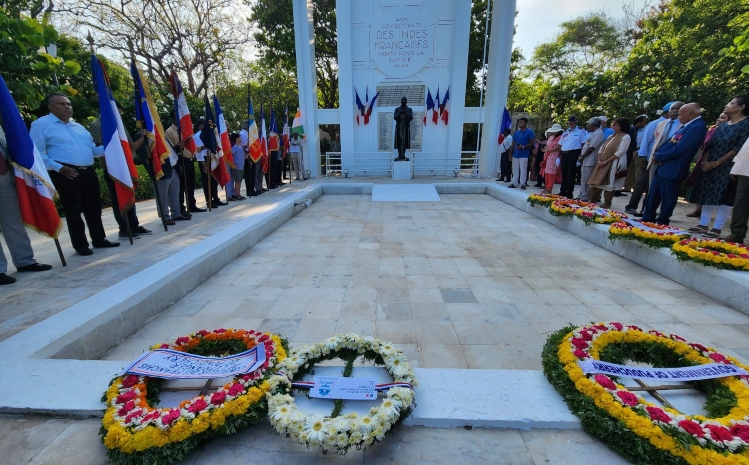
(638, 214)
(696, 213)
(105, 244)
(85, 251)
(196, 210)
(140, 230)
(282, 184)
(181, 218)
(218, 202)
(5, 279)
(630, 211)
(35, 267)
(214, 206)
(265, 190)
(734, 238)
(170, 223)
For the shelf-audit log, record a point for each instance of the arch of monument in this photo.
(404, 47)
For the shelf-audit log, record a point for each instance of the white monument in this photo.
(412, 48)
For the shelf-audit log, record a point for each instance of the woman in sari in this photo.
(694, 176)
(611, 171)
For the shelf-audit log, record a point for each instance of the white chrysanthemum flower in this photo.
(391, 408)
(314, 430)
(332, 343)
(366, 424)
(280, 413)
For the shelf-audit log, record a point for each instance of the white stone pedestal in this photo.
(402, 169)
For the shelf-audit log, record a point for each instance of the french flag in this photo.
(263, 140)
(369, 106)
(116, 146)
(286, 131)
(223, 133)
(436, 108)
(445, 107)
(359, 107)
(430, 105)
(35, 191)
(183, 113)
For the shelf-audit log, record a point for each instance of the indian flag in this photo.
(298, 125)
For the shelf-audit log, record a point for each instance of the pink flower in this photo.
(124, 398)
(718, 358)
(236, 389)
(580, 354)
(618, 326)
(699, 347)
(579, 343)
(182, 340)
(627, 397)
(219, 331)
(677, 338)
(154, 414)
(202, 332)
(692, 428)
(605, 381)
(170, 417)
(658, 414)
(741, 431)
(197, 406)
(132, 416)
(165, 346)
(636, 328)
(218, 397)
(129, 381)
(126, 408)
(586, 336)
(719, 433)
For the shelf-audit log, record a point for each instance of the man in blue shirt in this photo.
(68, 151)
(523, 140)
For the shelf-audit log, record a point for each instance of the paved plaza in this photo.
(466, 282)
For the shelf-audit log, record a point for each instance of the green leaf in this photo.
(71, 67)
(745, 69)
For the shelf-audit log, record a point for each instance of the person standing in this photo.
(612, 161)
(185, 170)
(635, 134)
(239, 155)
(11, 223)
(295, 153)
(68, 151)
(550, 165)
(740, 216)
(538, 158)
(672, 159)
(589, 157)
(607, 131)
(505, 152)
(209, 192)
(572, 143)
(522, 141)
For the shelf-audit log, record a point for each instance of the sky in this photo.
(538, 20)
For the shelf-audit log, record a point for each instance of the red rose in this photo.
(618, 326)
(741, 431)
(218, 397)
(730, 255)
(719, 433)
(580, 354)
(636, 328)
(718, 358)
(579, 343)
(170, 417)
(124, 398)
(220, 330)
(658, 414)
(126, 408)
(699, 347)
(627, 397)
(129, 381)
(604, 328)
(154, 414)
(202, 332)
(132, 416)
(236, 389)
(586, 336)
(197, 406)
(692, 428)
(677, 338)
(605, 381)
(182, 340)
(165, 346)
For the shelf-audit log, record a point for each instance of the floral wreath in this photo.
(340, 432)
(136, 431)
(717, 253)
(600, 215)
(543, 199)
(652, 234)
(568, 207)
(627, 423)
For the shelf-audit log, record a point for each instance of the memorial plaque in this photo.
(390, 96)
(386, 127)
(401, 42)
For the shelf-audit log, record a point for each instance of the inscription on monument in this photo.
(401, 42)
(386, 127)
(390, 96)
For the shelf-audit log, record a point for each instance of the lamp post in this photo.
(52, 51)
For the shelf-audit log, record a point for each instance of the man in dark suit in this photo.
(672, 160)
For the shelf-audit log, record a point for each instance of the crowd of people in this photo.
(69, 151)
(660, 160)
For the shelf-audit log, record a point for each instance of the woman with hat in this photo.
(612, 160)
(550, 165)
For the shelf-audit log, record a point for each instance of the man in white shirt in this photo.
(572, 143)
(589, 157)
(200, 154)
(505, 152)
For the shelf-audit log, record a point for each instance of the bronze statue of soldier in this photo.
(403, 116)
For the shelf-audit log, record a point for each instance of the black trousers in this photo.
(641, 183)
(186, 171)
(505, 167)
(132, 217)
(214, 184)
(253, 177)
(275, 171)
(569, 171)
(81, 196)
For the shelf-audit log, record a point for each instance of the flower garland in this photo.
(651, 234)
(600, 215)
(717, 253)
(341, 432)
(543, 199)
(136, 431)
(638, 430)
(568, 207)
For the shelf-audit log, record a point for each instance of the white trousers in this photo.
(720, 218)
(519, 171)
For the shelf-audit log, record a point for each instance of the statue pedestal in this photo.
(402, 169)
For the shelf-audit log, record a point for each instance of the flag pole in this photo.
(180, 158)
(156, 194)
(59, 252)
(207, 166)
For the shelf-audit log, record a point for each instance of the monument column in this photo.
(498, 81)
(345, 81)
(304, 39)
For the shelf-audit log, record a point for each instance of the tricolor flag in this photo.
(35, 191)
(209, 136)
(223, 134)
(298, 125)
(147, 118)
(117, 153)
(359, 107)
(286, 131)
(506, 123)
(445, 107)
(430, 105)
(183, 113)
(274, 141)
(436, 108)
(256, 150)
(369, 106)
(263, 140)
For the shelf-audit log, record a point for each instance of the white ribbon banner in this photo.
(695, 373)
(669, 230)
(172, 364)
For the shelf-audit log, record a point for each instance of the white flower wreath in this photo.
(339, 433)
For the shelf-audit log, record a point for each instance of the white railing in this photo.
(381, 164)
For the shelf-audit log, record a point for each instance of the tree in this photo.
(275, 40)
(193, 37)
